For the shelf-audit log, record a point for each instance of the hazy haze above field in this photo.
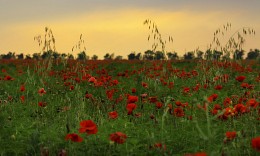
(116, 26)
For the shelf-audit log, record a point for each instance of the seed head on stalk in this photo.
(157, 37)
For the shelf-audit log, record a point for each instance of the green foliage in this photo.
(28, 129)
(172, 55)
(109, 56)
(253, 54)
(94, 57)
(189, 56)
(133, 56)
(82, 56)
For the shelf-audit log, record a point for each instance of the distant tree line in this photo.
(147, 55)
(208, 55)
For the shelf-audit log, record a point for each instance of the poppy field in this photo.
(187, 108)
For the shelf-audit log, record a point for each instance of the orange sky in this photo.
(119, 29)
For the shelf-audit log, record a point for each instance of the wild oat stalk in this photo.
(78, 46)
(49, 40)
(48, 48)
(157, 37)
(235, 42)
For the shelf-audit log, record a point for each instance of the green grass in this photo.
(28, 129)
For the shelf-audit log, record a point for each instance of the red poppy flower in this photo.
(133, 90)
(200, 154)
(212, 97)
(186, 104)
(67, 83)
(159, 105)
(152, 99)
(256, 143)
(164, 82)
(177, 103)
(143, 96)
(22, 98)
(216, 78)
(88, 126)
(132, 99)
(247, 93)
(217, 107)
(171, 84)
(85, 77)
(252, 103)
(242, 100)
(189, 117)
(231, 135)
(3, 70)
(240, 108)
(42, 104)
(196, 88)
(218, 87)
(194, 73)
(119, 99)
(110, 94)
(88, 96)
(8, 78)
(41, 91)
(178, 112)
(240, 78)
(92, 80)
(214, 111)
(98, 84)
(197, 154)
(145, 85)
(227, 102)
(114, 82)
(186, 89)
(130, 107)
(160, 146)
(77, 79)
(228, 112)
(72, 87)
(113, 115)
(73, 137)
(118, 137)
(245, 85)
(22, 88)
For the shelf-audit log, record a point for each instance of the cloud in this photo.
(116, 26)
(26, 10)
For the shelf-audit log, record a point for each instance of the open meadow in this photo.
(129, 78)
(69, 107)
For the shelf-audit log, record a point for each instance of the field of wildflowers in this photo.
(69, 107)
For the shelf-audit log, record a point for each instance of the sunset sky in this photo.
(116, 26)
